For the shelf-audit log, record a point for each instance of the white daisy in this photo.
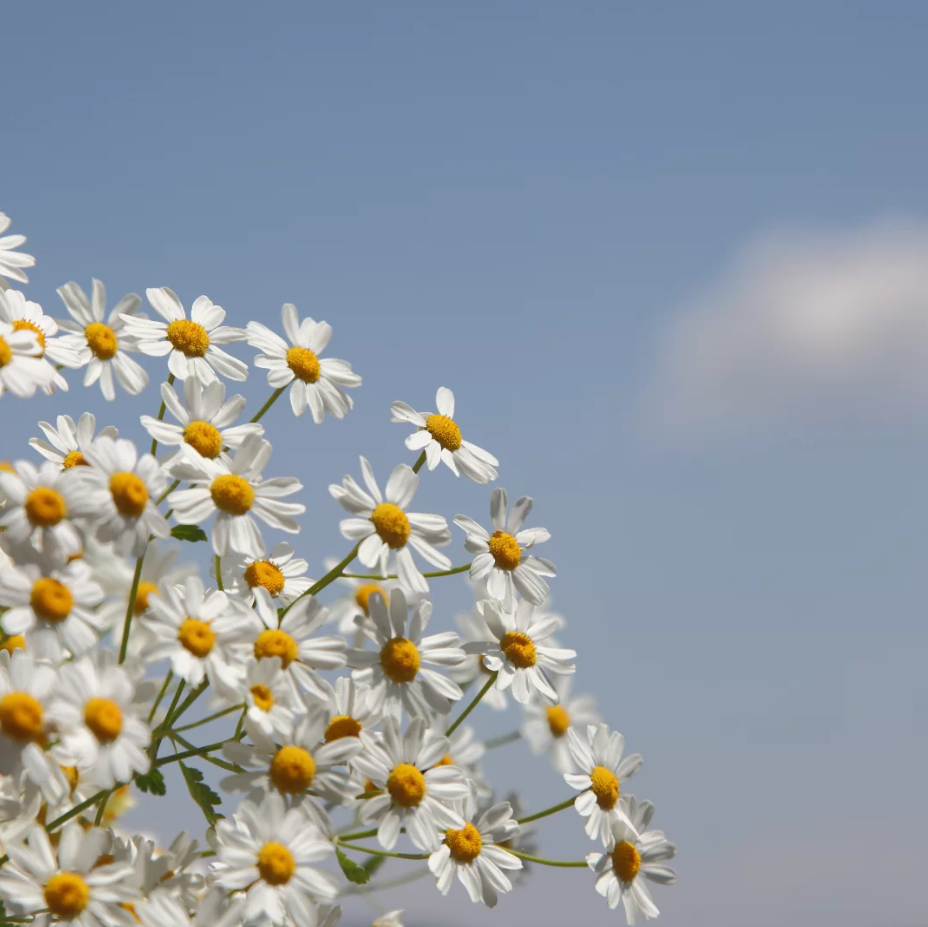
(67, 444)
(354, 606)
(440, 437)
(12, 262)
(349, 709)
(19, 809)
(22, 367)
(465, 751)
(394, 668)
(269, 697)
(319, 383)
(280, 572)
(235, 492)
(418, 794)
(191, 343)
(384, 526)
(473, 670)
(545, 727)
(500, 556)
(633, 853)
(602, 772)
(168, 871)
(102, 346)
(215, 909)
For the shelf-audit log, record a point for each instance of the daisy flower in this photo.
(234, 492)
(165, 872)
(191, 343)
(633, 853)
(384, 526)
(319, 383)
(465, 751)
(349, 709)
(602, 772)
(205, 418)
(545, 727)
(471, 853)
(500, 556)
(102, 346)
(394, 668)
(215, 909)
(440, 437)
(269, 697)
(22, 369)
(354, 607)
(473, 627)
(281, 573)
(67, 444)
(19, 809)
(418, 794)
(12, 262)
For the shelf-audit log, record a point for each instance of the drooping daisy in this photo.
(19, 809)
(465, 751)
(500, 556)
(471, 853)
(236, 493)
(102, 346)
(633, 853)
(269, 697)
(67, 444)
(354, 606)
(545, 727)
(318, 383)
(473, 670)
(215, 909)
(383, 527)
(281, 573)
(22, 368)
(602, 772)
(417, 794)
(12, 262)
(205, 418)
(349, 709)
(191, 343)
(169, 871)
(394, 668)
(440, 437)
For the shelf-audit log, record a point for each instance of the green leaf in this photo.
(373, 863)
(201, 793)
(188, 533)
(353, 872)
(152, 782)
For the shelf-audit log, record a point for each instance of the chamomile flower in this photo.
(19, 809)
(472, 853)
(102, 346)
(318, 383)
(383, 527)
(236, 493)
(501, 556)
(602, 771)
(352, 609)
(215, 909)
(281, 573)
(269, 697)
(465, 751)
(545, 727)
(440, 437)
(417, 794)
(12, 262)
(67, 443)
(191, 343)
(473, 627)
(22, 368)
(394, 668)
(349, 709)
(153, 871)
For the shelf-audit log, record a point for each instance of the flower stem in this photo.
(219, 585)
(359, 835)
(502, 740)
(563, 864)
(543, 814)
(458, 569)
(154, 441)
(372, 852)
(164, 688)
(222, 764)
(329, 577)
(195, 751)
(271, 400)
(207, 719)
(130, 608)
(167, 492)
(166, 723)
(472, 705)
(417, 466)
(76, 810)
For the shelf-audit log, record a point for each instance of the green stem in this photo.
(219, 585)
(372, 852)
(543, 814)
(417, 466)
(359, 835)
(161, 411)
(458, 569)
(207, 719)
(164, 688)
(562, 864)
(271, 400)
(76, 810)
(166, 723)
(502, 740)
(472, 705)
(101, 810)
(329, 577)
(167, 492)
(130, 608)
(190, 699)
(222, 764)
(195, 751)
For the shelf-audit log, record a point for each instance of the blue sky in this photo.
(556, 210)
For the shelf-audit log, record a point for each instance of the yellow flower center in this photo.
(400, 659)
(72, 776)
(66, 895)
(21, 325)
(102, 340)
(406, 785)
(22, 718)
(362, 595)
(626, 861)
(266, 574)
(6, 352)
(130, 494)
(276, 643)
(50, 599)
(558, 719)
(505, 550)
(142, 595)
(304, 364)
(45, 507)
(342, 726)
(232, 494)
(130, 907)
(519, 649)
(292, 770)
(188, 337)
(13, 642)
(104, 718)
(262, 696)
(197, 637)
(6, 466)
(445, 760)
(464, 844)
(74, 459)
(391, 524)
(605, 787)
(276, 864)
(445, 431)
(203, 438)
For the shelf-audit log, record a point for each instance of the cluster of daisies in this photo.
(318, 706)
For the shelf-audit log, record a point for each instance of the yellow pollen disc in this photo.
(605, 787)
(66, 895)
(102, 340)
(74, 459)
(363, 593)
(263, 697)
(342, 726)
(104, 718)
(369, 786)
(168, 875)
(232, 494)
(203, 438)
(292, 770)
(406, 785)
(276, 643)
(626, 861)
(558, 719)
(445, 761)
(72, 776)
(266, 574)
(188, 337)
(6, 466)
(6, 352)
(130, 494)
(45, 507)
(275, 864)
(445, 431)
(105, 859)
(13, 642)
(50, 599)
(400, 660)
(391, 524)
(196, 636)
(518, 648)
(505, 549)
(304, 364)
(22, 325)
(130, 907)
(22, 718)
(464, 844)
(142, 595)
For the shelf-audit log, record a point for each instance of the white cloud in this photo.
(804, 321)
